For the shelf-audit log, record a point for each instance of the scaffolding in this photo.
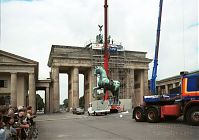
(117, 70)
(119, 62)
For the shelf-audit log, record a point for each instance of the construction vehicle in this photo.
(170, 106)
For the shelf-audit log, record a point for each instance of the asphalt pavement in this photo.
(66, 126)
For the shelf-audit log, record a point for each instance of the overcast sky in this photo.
(30, 27)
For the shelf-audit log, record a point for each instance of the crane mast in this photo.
(106, 51)
(155, 65)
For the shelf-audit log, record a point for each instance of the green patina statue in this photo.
(106, 84)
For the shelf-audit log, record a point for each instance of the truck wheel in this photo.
(139, 115)
(193, 116)
(152, 115)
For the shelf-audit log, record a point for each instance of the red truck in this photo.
(171, 106)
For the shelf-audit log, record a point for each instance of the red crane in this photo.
(106, 50)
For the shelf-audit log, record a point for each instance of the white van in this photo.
(99, 107)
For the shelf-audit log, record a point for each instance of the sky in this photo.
(30, 27)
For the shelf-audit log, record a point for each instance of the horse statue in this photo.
(106, 84)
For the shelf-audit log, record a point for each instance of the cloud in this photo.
(193, 25)
(30, 28)
(17, 0)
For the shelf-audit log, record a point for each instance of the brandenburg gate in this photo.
(129, 67)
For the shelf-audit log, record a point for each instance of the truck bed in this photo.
(161, 99)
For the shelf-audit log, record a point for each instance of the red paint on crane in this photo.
(106, 52)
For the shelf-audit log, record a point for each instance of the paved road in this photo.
(111, 127)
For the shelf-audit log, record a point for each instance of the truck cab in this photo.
(190, 98)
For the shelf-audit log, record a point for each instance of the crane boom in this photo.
(106, 51)
(155, 65)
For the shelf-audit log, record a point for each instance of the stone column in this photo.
(51, 98)
(128, 84)
(90, 77)
(159, 90)
(132, 87)
(88, 88)
(47, 102)
(55, 78)
(141, 86)
(166, 89)
(70, 96)
(174, 85)
(13, 89)
(21, 96)
(32, 93)
(93, 81)
(26, 91)
(75, 87)
(146, 86)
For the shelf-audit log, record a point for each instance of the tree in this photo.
(39, 102)
(81, 101)
(65, 103)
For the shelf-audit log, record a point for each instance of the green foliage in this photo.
(39, 102)
(65, 103)
(81, 101)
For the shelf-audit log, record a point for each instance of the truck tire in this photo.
(139, 115)
(152, 115)
(192, 115)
